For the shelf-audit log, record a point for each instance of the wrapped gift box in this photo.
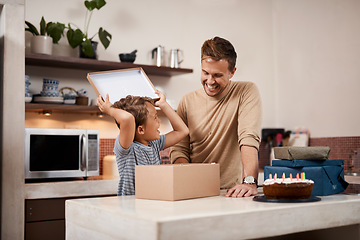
(328, 175)
(303, 153)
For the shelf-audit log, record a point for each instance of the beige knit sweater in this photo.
(219, 126)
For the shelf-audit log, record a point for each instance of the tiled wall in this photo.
(107, 146)
(347, 148)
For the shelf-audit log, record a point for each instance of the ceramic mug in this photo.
(50, 88)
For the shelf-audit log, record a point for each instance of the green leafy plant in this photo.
(77, 37)
(54, 30)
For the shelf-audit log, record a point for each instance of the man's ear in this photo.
(140, 130)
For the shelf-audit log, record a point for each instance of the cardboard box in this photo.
(177, 181)
(328, 175)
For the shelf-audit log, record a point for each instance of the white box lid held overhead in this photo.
(120, 83)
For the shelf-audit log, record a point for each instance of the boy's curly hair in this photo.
(136, 106)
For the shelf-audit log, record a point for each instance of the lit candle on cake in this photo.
(297, 176)
(290, 177)
(275, 176)
(270, 176)
(302, 176)
(283, 176)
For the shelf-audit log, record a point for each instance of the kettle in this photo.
(158, 54)
(175, 56)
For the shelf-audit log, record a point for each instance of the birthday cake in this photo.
(288, 188)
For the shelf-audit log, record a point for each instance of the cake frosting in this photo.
(287, 188)
(286, 181)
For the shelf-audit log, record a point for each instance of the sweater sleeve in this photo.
(182, 148)
(249, 117)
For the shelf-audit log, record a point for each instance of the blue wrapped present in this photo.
(328, 175)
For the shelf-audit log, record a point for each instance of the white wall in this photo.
(317, 46)
(288, 48)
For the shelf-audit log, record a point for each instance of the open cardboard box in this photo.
(120, 83)
(177, 181)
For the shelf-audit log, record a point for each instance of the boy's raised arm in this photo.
(180, 129)
(125, 120)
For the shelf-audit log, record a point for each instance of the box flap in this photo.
(336, 176)
(308, 163)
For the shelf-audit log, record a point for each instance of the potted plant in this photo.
(77, 37)
(49, 33)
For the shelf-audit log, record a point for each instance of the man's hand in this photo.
(242, 190)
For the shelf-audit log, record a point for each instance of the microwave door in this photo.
(55, 156)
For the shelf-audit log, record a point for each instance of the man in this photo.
(224, 121)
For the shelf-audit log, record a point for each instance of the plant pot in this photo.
(64, 50)
(94, 47)
(41, 44)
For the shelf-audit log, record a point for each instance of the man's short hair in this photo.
(219, 48)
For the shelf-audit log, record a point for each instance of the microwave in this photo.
(61, 153)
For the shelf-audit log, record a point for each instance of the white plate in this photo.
(41, 99)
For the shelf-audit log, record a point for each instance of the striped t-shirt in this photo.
(136, 154)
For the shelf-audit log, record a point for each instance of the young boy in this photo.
(139, 140)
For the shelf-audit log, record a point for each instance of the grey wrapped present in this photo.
(302, 153)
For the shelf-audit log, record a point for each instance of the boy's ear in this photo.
(140, 130)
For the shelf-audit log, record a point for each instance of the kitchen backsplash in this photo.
(107, 146)
(347, 148)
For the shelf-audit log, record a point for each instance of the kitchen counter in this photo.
(206, 218)
(96, 187)
(72, 188)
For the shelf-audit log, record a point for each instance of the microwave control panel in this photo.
(93, 152)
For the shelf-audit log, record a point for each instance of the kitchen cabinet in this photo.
(43, 60)
(45, 218)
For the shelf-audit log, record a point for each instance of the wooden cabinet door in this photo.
(54, 230)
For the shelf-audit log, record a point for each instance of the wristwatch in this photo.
(250, 180)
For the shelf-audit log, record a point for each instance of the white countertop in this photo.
(96, 187)
(204, 218)
(75, 188)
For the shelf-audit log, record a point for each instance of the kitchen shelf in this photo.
(44, 60)
(68, 108)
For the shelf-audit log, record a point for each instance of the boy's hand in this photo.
(104, 106)
(159, 103)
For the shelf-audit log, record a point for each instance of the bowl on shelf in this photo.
(128, 57)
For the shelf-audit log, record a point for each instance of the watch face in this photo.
(249, 179)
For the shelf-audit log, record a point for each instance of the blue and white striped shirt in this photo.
(136, 154)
